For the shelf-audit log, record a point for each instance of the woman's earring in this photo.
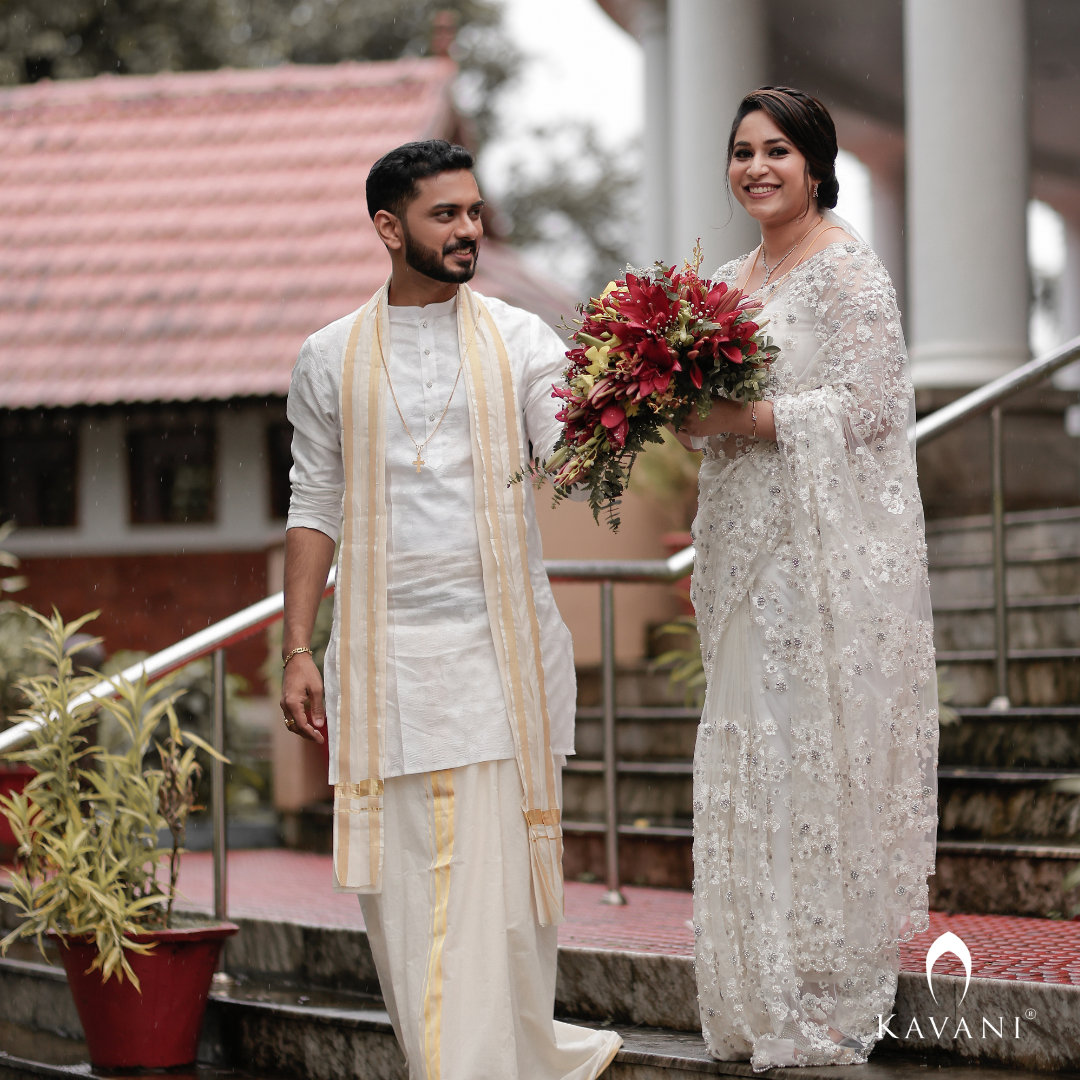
(815, 191)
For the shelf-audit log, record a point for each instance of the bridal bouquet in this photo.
(653, 346)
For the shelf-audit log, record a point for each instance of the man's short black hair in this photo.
(391, 184)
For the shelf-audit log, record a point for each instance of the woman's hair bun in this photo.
(828, 192)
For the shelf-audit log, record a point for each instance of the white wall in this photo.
(103, 503)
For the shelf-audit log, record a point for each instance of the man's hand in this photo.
(308, 555)
(302, 698)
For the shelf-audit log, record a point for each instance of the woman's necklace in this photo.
(776, 283)
(419, 460)
(776, 266)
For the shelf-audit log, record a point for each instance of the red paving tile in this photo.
(296, 885)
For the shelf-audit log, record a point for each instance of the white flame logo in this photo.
(949, 942)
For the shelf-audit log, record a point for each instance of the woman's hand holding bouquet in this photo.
(653, 347)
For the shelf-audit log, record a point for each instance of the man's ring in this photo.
(290, 723)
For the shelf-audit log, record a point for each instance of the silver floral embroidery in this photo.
(819, 536)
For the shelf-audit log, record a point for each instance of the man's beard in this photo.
(427, 261)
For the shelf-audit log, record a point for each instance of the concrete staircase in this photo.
(304, 1002)
(655, 746)
(1009, 782)
(304, 1005)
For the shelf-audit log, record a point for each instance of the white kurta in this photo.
(466, 962)
(445, 704)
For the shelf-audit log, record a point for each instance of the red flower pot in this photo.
(160, 1027)
(12, 778)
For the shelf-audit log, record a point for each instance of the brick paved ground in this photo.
(296, 885)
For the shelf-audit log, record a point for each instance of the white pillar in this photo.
(1069, 304)
(243, 495)
(104, 495)
(651, 30)
(967, 189)
(717, 55)
(887, 208)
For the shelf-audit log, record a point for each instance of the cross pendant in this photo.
(419, 461)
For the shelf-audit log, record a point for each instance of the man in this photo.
(449, 676)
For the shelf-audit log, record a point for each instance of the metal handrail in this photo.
(992, 394)
(249, 621)
(624, 570)
(229, 631)
(984, 399)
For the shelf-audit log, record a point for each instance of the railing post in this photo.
(1001, 609)
(217, 788)
(611, 791)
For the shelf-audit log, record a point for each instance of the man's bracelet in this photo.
(297, 652)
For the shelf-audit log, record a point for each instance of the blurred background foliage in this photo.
(65, 39)
(573, 207)
(669, 473)
(17, 660)
(247, 776)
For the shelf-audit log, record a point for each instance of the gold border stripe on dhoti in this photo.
(441, 824)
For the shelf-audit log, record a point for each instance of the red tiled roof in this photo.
(176, 237)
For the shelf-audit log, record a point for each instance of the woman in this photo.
(814, 774)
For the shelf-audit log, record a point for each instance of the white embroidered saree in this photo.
(815, 769)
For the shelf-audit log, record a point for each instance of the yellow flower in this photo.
(599, 358)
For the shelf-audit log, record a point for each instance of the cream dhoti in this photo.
(466, 969)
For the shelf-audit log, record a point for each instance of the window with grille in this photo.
(171, 467)
(39, 453)
(280, 440)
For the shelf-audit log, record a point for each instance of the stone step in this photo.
(647, 1054)
(1026, 533)
(1021, 738)
(988, 877)
(1054, 627)
(668, 734)
(1014, 603)
(1016, 655)
(1020, 876)
(1049, 679)
(636, 685)
(656, 799)
(30, 1054)
(268, 1028)
(1043, 592)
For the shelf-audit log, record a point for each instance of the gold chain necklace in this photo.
(776, 266)
(419, 459)
(776, 284)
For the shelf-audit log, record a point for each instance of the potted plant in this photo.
(89, 867)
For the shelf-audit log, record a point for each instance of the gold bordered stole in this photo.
(360, 600)
(360, 608)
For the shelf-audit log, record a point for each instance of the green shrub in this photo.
(87, 825)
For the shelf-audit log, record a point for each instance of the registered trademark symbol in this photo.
(1029, 1013)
